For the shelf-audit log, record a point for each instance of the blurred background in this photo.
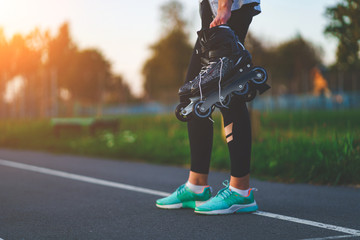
(101, 78)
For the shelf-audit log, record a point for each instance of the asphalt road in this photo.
(72, 197)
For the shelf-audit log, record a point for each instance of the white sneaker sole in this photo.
(233, 209)
(181, 205)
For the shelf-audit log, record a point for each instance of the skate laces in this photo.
(201, 95)
(204, 70)
(219, 83)
(200, 87)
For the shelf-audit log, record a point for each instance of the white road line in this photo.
(163, 194)
(311, 223)
(332, 237)
(81, 178)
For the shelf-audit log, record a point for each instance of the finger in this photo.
(214, 23)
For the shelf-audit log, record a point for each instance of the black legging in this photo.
(201, 130)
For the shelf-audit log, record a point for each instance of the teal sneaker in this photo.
(227, 201)
(183, 197)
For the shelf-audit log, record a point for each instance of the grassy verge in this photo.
(317, 147)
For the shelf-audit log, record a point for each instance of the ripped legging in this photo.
(236, 117)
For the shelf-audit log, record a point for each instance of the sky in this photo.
(124, 30)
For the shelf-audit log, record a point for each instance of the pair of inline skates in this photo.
(226, 71)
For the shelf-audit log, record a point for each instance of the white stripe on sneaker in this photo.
(171, 206)
(234, 208)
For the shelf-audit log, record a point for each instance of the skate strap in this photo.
(225, 52)
(204, 61)
(263, 87)
(204, 49)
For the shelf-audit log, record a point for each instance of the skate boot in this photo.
(225, 67)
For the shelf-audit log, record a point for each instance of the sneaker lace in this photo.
(181, 189)
(225, 192)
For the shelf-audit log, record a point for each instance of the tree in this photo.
(4, 62)
(117, 91)
(36, 89)
(165, 70)
(54, 69)
(23, 59)
(295, 59)
(25, 62)
(344, 24)
(88, 77)
(288, 64)
(61, 51)
(86, 74)
(259, 53)
(4, 66)
(171, 16)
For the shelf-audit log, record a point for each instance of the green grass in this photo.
(315, 147)
(318, 147)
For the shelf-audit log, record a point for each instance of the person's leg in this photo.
(200, 131)
(236, 117)
(238, 136)
(236, 196)
(240, 21)
(201, 135)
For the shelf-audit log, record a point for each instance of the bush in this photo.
(313, 147)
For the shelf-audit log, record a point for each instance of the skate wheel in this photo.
(244, 90)
(261, 75)
(178, 114)
(250, 96)
(202, 113)
(225, 102)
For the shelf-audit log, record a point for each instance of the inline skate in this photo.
(226, 70)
